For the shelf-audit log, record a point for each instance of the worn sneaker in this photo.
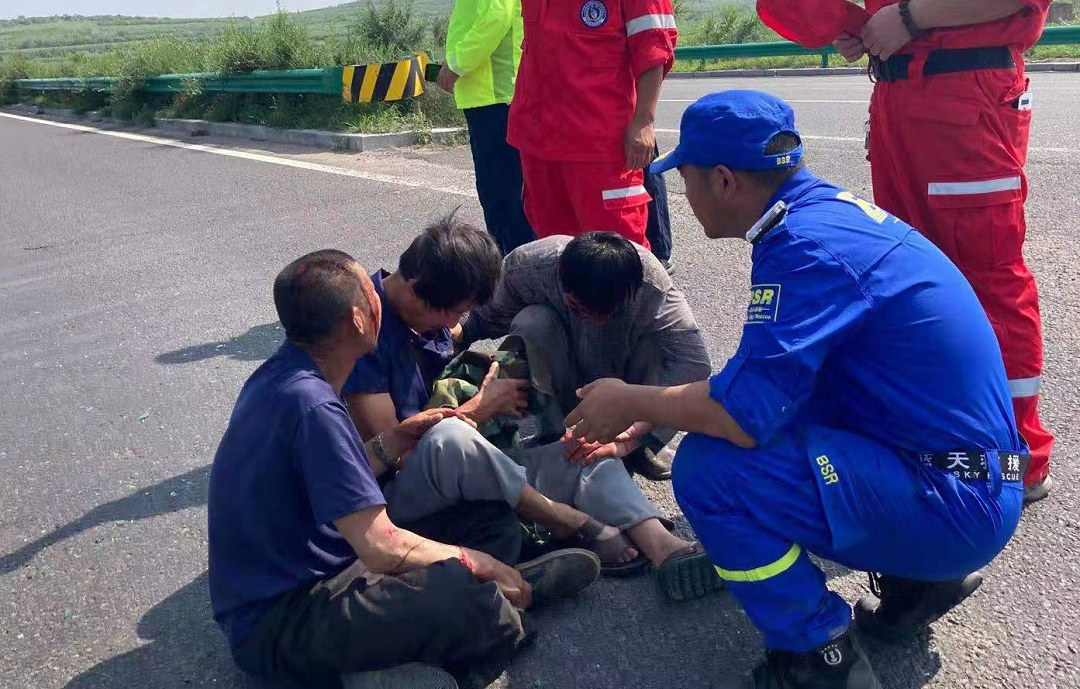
(839, 664)
(560, 574)
(900, 608)
(1037, 491)
(408, 676)
(669, 265)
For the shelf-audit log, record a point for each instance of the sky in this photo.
(10, 9)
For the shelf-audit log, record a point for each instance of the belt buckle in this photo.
(877, 70)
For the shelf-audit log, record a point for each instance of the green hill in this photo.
(34, 37)
(50, 36)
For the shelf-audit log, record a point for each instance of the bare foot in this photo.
(575, 519)
(655, 541)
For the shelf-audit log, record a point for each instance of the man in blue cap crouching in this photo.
(865, 417)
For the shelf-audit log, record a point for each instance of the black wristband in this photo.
(909, 23)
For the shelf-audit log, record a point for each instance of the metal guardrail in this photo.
(326, 81)
(329, 80)
(749, 50)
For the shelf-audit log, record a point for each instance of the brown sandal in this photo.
(688, 574)
(607, 548)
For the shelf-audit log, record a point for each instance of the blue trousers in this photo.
(658, 231)
(843, 497)
(498, 176)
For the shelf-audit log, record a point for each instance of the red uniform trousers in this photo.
(947, 155)
(572, 198)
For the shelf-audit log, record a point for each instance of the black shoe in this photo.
(647, 463)
(839, 664)
(901, 608)
(560, 574)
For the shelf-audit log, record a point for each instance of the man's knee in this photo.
(450, 436)
(698, 473)
(464, 607)
(537, 323)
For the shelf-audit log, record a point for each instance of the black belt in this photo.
(971, 465)
(942, 61)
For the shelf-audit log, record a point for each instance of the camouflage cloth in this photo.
(461, 379)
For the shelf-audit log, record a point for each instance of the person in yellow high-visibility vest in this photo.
(483, 49)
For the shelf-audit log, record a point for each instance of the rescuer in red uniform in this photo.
(949, 124)
(583, 110)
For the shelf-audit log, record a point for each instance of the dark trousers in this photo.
(498, 176)
(658, 231)
(357, 621)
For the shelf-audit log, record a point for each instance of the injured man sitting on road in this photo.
(310, 577)
(582, 498)
(590, 307)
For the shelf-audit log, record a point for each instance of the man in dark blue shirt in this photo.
(308, 576)
(865, 416)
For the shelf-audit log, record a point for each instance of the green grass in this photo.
(281, 41)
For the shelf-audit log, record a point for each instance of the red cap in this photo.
(812, 23)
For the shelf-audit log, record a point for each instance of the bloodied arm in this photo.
(387, 549)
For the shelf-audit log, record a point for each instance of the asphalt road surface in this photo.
(135, 280)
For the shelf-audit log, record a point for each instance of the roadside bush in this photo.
(148, 58)
(440, 26)
(11, 68)
(728, 24)
(279, 42)
(390, 28)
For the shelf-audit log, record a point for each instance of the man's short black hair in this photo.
(317, 292)
(784, 142)
(452, 263)
(601, 271)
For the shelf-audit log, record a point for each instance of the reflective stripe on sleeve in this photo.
(1025, 387)
(762, 573)
(627, 192)
(650, 21)
(988, 186)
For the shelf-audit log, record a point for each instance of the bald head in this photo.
(315, 294)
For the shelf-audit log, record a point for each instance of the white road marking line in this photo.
(859, 140)
(259, 157)
(787, 100)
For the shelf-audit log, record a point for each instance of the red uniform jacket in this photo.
(580, 63)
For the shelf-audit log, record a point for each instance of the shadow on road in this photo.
(186, 649)
(257, 344)
(177, 493)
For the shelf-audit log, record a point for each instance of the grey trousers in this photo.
(453, 463)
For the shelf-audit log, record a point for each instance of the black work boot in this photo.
(839, 664)
(900, 608)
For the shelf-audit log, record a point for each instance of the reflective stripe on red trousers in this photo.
(947, 154)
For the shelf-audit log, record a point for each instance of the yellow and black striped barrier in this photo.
(388, 81)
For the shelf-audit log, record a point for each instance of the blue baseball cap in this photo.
(731, 128)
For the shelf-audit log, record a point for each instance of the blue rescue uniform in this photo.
(863, 348)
